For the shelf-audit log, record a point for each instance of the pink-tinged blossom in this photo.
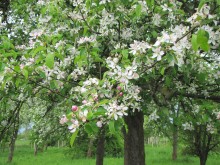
(22, 66)
(84, 102)
(121, 94)
(83, 90)
(36, 33)
(83, 115)
(63, 119)
(74, 125)
(95, 97)
(74, 108)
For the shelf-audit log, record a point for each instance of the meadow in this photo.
(155, 155)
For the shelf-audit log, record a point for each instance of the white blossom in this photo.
(188, 126)
(99, 124)
(153, 116)
(210, 128)
(83, 40)
(139, 47)
(157, 53)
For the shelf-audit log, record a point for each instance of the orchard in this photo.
(104, 69)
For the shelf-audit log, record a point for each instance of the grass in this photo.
(160, 155)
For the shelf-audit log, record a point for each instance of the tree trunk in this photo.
(35, 149)
(100, 147)
(89, 151)
(134, 140)
(203, 158)
(175, 142)
(175, 109)
(45, 146)
(12, 144)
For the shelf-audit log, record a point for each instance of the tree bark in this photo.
(35, 149)
(100, 147)
(15, 132)
(12, 143)
(203, 158)
(175, 142)
(134, 139)
(89, 151)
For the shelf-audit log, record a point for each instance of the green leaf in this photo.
(60, 56)
(125, 53)
(202, 39)
(38, 49)
(170, 58)
(205, 47)
(154, 34)
(88, 4)
(150, 3)
(100, 111)
(98, 59)
(17, 82)
(88, 129)
(83, 51)
(2, 66)
(162, 71)
(94, 127)
(112, 127)
(138, 10)
(202, 2)
(73, 137)
(168, 81)
(42, 74)
(202, 36)
(201, 77)
(195, 46)
(54, 84)
(105, 101)
(50, 61)
(17, 68)
(25, 73)
(89, 115)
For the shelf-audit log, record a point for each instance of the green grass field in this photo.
(160, 155)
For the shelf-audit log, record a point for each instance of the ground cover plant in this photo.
(156, 155)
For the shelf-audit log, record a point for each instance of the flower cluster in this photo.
(116, 111)
(153, 116)
(86, 40)
(139, 47)
(188, 126)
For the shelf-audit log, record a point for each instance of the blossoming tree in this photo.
(110, 59)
